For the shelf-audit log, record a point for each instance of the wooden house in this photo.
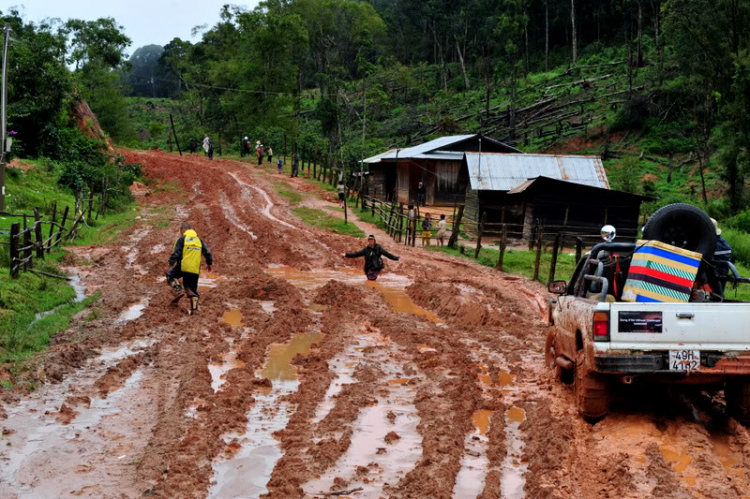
(395, 174)
(557, 190)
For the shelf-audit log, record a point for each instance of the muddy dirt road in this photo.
(299, 379)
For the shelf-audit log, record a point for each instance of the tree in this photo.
(144, 68)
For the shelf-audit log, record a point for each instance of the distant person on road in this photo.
(243, 147)
(442, 227)
(280, 164)
(373, 254)
(421, 194)
(722, 257)
(193, 145)
(206, 143)
(260, 155)
(185, 263)
(295, 165)
(341, 189)
(211, 150)
(426, 229)
(270, 154)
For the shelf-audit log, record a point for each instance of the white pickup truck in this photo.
(595, 340)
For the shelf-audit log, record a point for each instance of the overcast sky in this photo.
(145, 21)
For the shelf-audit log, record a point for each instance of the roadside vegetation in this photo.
(322, 220)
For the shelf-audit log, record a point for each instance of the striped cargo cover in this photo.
(661, 272)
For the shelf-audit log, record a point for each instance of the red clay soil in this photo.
(135, 408)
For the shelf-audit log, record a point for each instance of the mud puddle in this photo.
(233, 317)
(512, 479)
(133, 312)
(231, 215)
(248, 471)
(124, 350)
(474, 463)
(228, 362)
(391, 286)
(43, 448)
(80, 291)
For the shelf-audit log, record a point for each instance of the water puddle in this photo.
(474, 463)
(231, 215)
(268, 306)
(210, 280)
(133, 312)
(391, 286)
(78, 288)
(385, 448)
(232, 317)
(49, 436)
(219, 371)
(679, 459)
(257, 451)
(732, 462)
(159, 248)
(127, 349)
(512, 478)
(505, 379)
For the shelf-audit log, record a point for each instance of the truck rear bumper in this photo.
(658, 363)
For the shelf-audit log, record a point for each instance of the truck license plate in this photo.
(684, 360)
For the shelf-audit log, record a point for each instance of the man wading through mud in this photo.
(373, 261)
(185, 263)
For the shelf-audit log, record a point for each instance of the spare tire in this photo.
(684, 226)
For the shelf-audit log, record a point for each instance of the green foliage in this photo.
(322, 220)
(626, 176)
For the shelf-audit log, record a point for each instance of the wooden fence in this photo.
(27, 240)
(554, 239)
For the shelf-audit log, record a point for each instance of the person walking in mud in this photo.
(259, 151)
(373, 254)
(206, 142)
(185, 263)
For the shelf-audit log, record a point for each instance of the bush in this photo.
(740, 243)
(740, 221)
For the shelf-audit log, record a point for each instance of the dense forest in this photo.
(651, 83)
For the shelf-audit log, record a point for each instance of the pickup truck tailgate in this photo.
(700, 326)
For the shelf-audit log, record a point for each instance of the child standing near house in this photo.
(426, 229)
(442, 227)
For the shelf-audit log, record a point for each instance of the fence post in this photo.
(553, 262)
(579, 249)
(38, 233)
(479, 236)
(27, 252)
(52, 226)
(456, 227)
(346, 218)
(414, 233)
(539, 247)
(62, 225)
(503, 242)
(15, 230)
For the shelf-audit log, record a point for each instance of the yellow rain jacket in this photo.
(188, 251)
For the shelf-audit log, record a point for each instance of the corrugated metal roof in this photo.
(378, 157)
(503, 172)
(433, 145)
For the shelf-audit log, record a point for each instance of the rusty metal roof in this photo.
(504, 172)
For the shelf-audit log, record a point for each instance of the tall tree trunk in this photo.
(526, 36)
(546, 36)
(574, 36)
(708, 118)
(463, 66)
(656, 7)
(639, 55)
(512, 114)
(488, 88)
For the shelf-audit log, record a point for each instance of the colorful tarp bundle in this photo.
(661, 272)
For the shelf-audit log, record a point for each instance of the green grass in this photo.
(288, 193)
(108, 227)
(518, 262)
(322, 220)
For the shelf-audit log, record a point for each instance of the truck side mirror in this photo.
(558, 287)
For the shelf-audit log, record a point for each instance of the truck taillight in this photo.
(601, 326)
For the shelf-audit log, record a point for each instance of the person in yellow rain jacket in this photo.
(185, 263)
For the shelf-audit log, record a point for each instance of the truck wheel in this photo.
(550, 353)
(737, 395)
(592, 399)
(682, 225)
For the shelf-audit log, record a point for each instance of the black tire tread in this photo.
(592, 394)
(707, 240)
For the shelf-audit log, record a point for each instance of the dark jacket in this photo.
(179, 247)
(373, 260)
(722, 255)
